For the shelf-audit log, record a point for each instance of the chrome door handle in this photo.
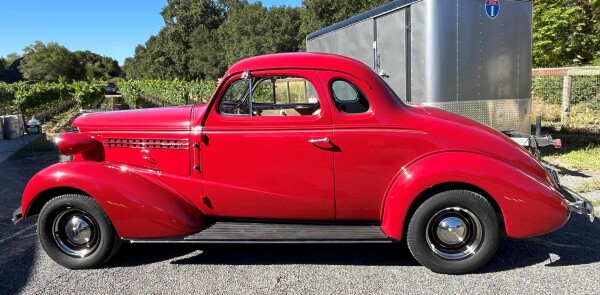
(149, 159)
(320, 140)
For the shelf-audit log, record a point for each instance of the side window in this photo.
(235, 99)
(271, 96)
(348, 98)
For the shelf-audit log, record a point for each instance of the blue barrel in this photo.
(21, 129)
(11, 127)
(1, 127)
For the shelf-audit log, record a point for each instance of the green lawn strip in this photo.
(588, 186)
(584, 159)
(580, 150)
(596, 203)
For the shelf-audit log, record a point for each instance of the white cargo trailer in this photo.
(471, 57)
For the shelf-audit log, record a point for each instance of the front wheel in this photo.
(453, 232)
(76, 233)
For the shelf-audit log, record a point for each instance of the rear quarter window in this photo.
(348, 98)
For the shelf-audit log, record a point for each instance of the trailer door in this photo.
(391, 47)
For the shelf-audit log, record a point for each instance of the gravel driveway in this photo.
(564, 262)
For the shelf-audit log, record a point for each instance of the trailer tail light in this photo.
(557, 143)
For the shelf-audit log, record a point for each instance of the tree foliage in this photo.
(252, 29)
(95, 66)
(3, 64)
(10, 58)
(202, 38)
(49, 62)
(566, 32)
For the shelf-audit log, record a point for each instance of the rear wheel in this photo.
(453, 232)
(76, 233)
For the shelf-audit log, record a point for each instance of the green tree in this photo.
(48, 63)
(251, 29)
(133, 66)
(168, 55)
(3, 64)
(183, 20)
(566, 32)
(202, 38)
(95, 66)
(10, 58)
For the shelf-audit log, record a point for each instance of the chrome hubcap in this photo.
(76, 232)
(451, 231)
(454, 233)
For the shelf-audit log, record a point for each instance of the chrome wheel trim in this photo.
(76, 232)
(454, 233)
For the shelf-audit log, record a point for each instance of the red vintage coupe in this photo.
(294, 148)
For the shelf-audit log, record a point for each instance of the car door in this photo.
(269, 155)
(369, 153)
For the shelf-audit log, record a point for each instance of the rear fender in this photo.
(138, 204)
(528, 206)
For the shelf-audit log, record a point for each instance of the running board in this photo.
(225, 232)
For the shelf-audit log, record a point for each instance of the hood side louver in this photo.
(147, 143)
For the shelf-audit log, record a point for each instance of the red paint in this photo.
(136, 201)
(85, 146)
(375, 166)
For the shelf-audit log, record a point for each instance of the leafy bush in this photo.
(37, 97)
(201, 91)
(131, 92)
(7, 93)
(87, 94)
(584, 89)
(175, 92)
(548, 89)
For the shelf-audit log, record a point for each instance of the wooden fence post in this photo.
(566, 101)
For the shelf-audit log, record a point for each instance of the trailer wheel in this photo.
(76, 233)
(453, 232)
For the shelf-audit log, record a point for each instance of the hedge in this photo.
(174, 92)
(585, 89)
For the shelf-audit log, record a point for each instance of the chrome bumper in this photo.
(17, 215)
(577, 203)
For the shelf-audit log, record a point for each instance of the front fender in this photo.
(136, 201)
(529, 207)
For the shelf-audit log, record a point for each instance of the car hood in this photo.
(156, 119)
(458, 133)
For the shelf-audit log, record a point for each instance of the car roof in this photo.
(298, 60)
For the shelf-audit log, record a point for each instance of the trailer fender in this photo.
(138, 204)
(528, 206)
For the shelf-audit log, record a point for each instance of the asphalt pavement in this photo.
(564, 262)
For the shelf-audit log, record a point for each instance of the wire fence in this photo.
(567, 97)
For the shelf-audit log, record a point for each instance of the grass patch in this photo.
(580, 151)
(39, 146)
(589, 186)
(582, 116)
(583, 159)
(596, 203)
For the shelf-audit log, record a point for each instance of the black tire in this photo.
(92, 240)
(453, 232)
